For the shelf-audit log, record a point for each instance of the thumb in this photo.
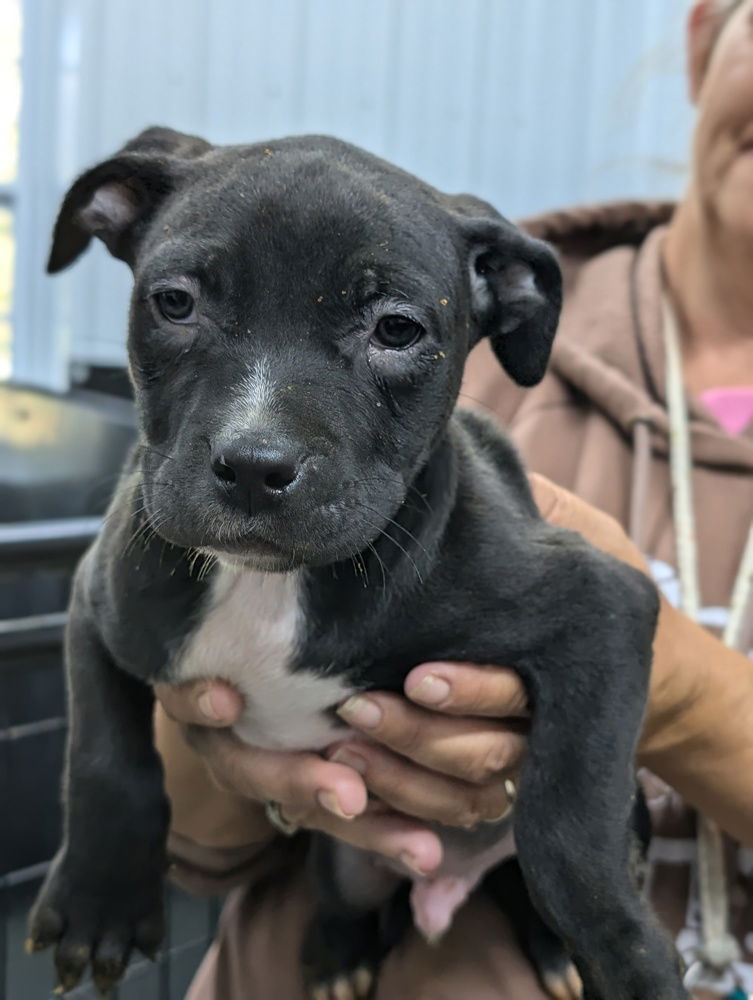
(201, 703)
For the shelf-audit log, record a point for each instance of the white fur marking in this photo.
(249, 636)
(258, 390)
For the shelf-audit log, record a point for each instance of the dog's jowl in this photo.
(307, 515)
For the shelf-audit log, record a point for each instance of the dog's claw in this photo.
(71, 966)
(104, 986)
(355, 985)
(45, 929)
(31, 946)
(106, 975)
(566, 985)
(342, 989)
(66, 983)
(363, 980)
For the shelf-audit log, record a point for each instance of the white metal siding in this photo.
(529, 103)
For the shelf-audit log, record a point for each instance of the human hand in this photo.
(331, 796)
(442, 753)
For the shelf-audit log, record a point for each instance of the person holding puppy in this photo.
(657, 324)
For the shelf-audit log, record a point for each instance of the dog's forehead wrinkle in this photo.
(347, 221)
(325, 183)
(191, 255)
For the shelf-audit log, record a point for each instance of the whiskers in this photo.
(385, 534)
(211, 559)
(146, 531)
(359, 566)
(381, 564)
(156, 451)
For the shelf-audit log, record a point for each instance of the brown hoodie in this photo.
(606, 378)
(578, 428)
(598, 425)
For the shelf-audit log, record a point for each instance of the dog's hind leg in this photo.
(346, 938)
(572, 818)
(546, 952)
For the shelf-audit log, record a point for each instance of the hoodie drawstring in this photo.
(641, 478)
(719, 949)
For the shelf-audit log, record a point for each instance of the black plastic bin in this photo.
(60, 457)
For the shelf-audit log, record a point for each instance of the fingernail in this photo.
(361, 712)
(410, 862)
(328, 801)
(350, 759)
(206, 706)
(432, 690)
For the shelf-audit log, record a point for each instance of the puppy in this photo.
(307, 515)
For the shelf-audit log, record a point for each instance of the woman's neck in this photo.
(710, 277)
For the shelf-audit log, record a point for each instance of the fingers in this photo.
(394, 836)
(468, 689)
(423, 794)
(303, 782)
(317, 794)
(201, 703)
(471, 749)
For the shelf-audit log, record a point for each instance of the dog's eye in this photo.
(397, 332)
(176, 305)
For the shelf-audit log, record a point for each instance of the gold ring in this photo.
(511, 792)
(278, 821)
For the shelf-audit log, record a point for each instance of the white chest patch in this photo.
(249, 636)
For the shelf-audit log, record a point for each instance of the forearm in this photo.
(699, 733)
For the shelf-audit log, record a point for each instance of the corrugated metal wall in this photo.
(529, 103)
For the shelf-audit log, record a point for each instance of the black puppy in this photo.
(306, 516)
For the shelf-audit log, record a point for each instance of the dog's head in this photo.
(300, 319)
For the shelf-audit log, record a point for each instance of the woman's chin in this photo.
(735, 206)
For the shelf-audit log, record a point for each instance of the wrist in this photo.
(697, 735)
(202, 811)
(679, 682)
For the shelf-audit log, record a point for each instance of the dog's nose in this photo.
(256, 475)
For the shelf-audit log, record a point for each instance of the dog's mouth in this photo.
(329, 535)
(253, 552)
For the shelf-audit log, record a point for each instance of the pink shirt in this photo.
(731, 408)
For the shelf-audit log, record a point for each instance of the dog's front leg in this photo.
(572, 822)
(103, 894)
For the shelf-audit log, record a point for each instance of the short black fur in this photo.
(412, 527)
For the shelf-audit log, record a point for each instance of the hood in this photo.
(609, 345)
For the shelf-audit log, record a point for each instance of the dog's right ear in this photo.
(114, 200)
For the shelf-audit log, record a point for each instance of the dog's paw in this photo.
(341, 955)
(555, 969)
(95, 923)
(356, 985)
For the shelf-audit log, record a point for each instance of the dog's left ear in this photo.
(516, 290)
